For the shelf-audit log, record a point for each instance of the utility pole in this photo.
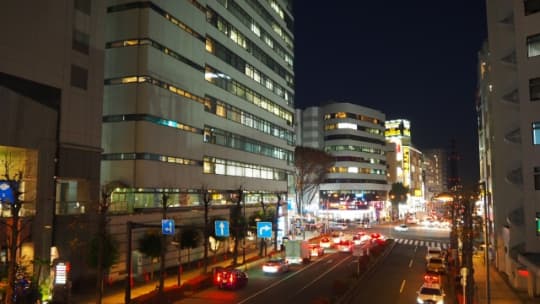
(164, 200)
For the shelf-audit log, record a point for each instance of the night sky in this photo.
(415, 60)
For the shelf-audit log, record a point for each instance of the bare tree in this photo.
(311, 167)
(16, 224)
(103, 207)
(206, 230)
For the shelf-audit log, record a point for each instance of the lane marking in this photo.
(322, 274)
(402, 286)
(410, 263)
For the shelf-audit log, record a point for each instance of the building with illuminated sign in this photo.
(356, 186)
(508, 108)
(405, 162)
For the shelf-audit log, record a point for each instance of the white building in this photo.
(356, 186)
(509, 137)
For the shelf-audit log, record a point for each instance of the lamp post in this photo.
(483, 187)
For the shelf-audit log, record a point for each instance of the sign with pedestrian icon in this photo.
(264, 229)
(221, 228)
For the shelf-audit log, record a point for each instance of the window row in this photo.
(354, 181)
(235, 35)
(158, 10)
(356, 159)
(533, 45)
(152, 157)
(248, 20)
(218, 166)
(351, 148)
(238, 142)
(234, 87)
(156, 82)
(241, 65)
(343, 115)
(235, 114)
(352, 126)
(534, 89)
(357, 170)
(536, 133)
(155, 45)
(531, 6)
(153, 119)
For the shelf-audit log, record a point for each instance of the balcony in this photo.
(516, 217)
(512, 97)
(513, 136)
(515, 177)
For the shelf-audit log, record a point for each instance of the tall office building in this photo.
(435, 172)
(509, 136)
(198, 95)
(51, 96)
(356, 186)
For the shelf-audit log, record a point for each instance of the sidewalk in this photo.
(500, 291)
(115, 294)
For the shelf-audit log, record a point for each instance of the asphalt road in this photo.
(394, 280)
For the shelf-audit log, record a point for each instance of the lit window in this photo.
(346, 125)
(352, 170)
(533, 45)
(536, 133)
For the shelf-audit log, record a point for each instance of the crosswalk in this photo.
(443, 245)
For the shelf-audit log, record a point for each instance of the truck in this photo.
(297, 252)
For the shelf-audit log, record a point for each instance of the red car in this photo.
(345, 246)
(229, 278)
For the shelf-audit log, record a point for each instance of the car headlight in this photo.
(419, 301)
(440, 302)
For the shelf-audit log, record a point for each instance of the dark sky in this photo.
(415, 60)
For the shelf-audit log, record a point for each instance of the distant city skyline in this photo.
(386, 58)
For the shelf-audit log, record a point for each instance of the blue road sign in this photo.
(264, 229)
(167, 227)
(6, 193)
(221, 228)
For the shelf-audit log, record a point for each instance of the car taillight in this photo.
(218, 279)
(231, 278)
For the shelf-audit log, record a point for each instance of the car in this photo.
(345, 246)
(316, 250)
(401, 227)
(433, 252)
(339, 226)
(430, 293)
(360, 238)
(412, 220)
(275, 265)
(229, 278)
(325, 242)
(436, 265)
(336, 237)
(432, 278)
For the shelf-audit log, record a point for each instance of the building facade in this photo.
(51, 89)
(435, 172)
(356, 186)
(509, 115)
(199, 97)
(405, 163)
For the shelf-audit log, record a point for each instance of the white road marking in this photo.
(402, 286)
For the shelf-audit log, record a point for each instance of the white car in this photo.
(430, 293)
(276, 265)
(401, 227)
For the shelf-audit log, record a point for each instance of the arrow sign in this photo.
(167, 227)
(264, 229)
(221, 228)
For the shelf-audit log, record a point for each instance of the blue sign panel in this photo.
(264, 229)
(6, 192)
(221, 228)
(167, 227)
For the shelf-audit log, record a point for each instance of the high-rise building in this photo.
(509, 136)
(51, 96)
(198, 96)
(435, 172)
(356, 187)
(405, 162)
